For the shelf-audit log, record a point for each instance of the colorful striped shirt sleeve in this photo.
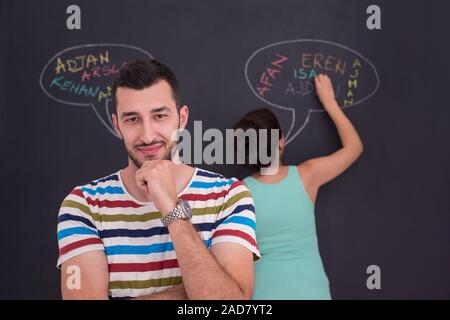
(236, 223)
(77, 232)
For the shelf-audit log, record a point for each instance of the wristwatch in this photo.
(181, 211)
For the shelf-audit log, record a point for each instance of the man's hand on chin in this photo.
(157, 179)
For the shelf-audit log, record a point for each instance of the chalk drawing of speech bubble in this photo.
(82, 76)
(282, 75)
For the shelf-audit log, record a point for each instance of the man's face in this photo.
(146, 120)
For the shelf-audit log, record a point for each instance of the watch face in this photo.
(186, 209)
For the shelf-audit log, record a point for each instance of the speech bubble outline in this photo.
(110, 127)
(288, 137)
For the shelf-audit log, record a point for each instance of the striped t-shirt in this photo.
(102, 215)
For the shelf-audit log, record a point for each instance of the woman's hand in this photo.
(325, 91)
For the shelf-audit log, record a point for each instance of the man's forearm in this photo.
(202, 275)
(173, 293)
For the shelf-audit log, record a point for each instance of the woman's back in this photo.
(291, 267)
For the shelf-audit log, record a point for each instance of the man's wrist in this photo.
(182, 210)
(178, 224)
(169, 206)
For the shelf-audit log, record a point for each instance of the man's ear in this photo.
(184, 115)
(116, 126)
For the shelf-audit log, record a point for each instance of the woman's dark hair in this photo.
(141, 74)
(258, 119)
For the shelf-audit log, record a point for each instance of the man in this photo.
(156, 229)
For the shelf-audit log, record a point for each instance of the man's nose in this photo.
(147, 132)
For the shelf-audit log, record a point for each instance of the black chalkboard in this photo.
(389, 209)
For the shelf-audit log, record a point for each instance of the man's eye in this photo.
(160, 116)
(132, 119)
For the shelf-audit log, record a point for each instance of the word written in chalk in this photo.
(310, 63)
(81, 89)
(80, 63)
(270, 73)
(352, 83)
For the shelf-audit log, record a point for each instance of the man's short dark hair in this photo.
(141, 74)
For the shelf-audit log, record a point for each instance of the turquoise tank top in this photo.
(290, 266)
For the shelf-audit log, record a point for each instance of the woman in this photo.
(291, 266)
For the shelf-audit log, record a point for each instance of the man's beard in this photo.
(167, 155)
